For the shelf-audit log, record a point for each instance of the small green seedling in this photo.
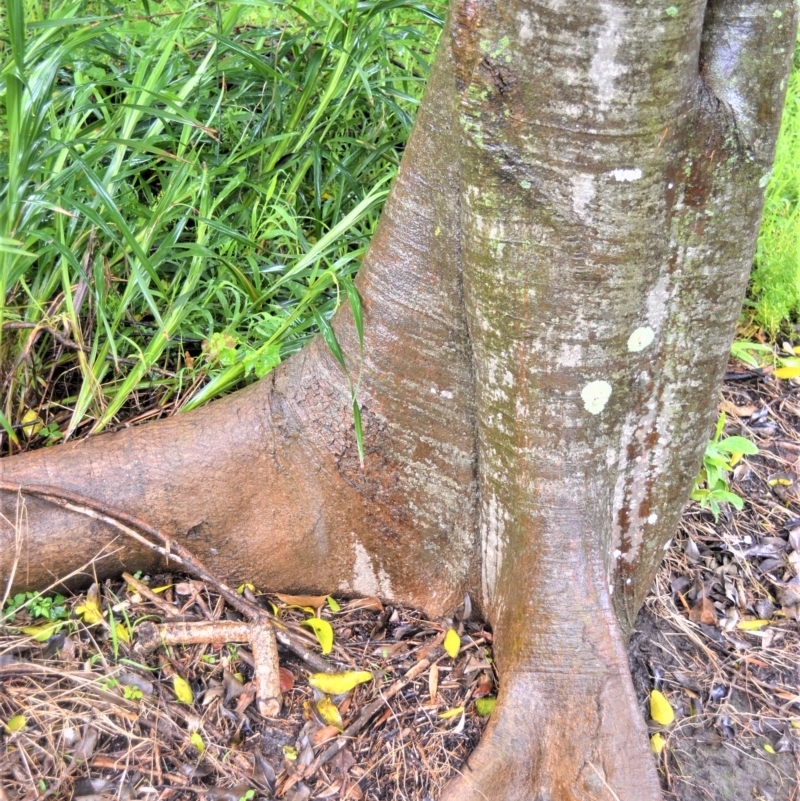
(38, 606)
(132, 693)
(711, 488)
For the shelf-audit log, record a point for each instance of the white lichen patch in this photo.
(640, 339)
(525, 27)
(658, 303)
(583, 192)
(605, 68)
(623, 175)
(595, 396)
(652, 519)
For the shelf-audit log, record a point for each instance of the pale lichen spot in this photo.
(640, 339)
(595, 396)
(605, 69)
(622, 175)
(525, 28)
(617, 553)
(445, 393)
(653, 519)
(583, 192)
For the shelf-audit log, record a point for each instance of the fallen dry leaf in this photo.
(703, 612)
(287, 679)
(324, 734)
(312, 601)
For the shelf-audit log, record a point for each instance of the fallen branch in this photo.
(260, 638)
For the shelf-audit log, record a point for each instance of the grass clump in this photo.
(775, 283)
(185, 196)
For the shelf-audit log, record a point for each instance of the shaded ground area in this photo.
(719, 633)
(89, 715)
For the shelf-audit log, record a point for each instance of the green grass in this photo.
(188, 195)
(186, 191)
(775, 283)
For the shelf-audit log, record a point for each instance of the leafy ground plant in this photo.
(712, 486)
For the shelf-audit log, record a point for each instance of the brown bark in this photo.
(548, 305)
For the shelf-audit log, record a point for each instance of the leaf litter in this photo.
(89, 715)
(718, 638)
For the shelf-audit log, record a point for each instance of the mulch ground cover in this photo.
(719, 633)
(89, 713)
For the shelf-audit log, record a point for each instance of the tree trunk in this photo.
(548, 306)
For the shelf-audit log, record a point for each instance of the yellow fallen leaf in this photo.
(657, 743)
(752, 625)
(242, 587)
(322, 631)
(17, 723)
(768, 748)
(91, 613)
(329, 712)
(121, 633)
(183, 692)
(333, 604)
(452, 643)
(661, 710)
(784, 372)
(485, 706)
(32, 424)
(42, 632)
(795, 724)
(451, 713)
(338, 683)
(197, 741)
(290, 752)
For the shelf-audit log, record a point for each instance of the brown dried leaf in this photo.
(737, 411)
(324, 734)
(364, 603)
(287, 679)
(313, 601)
(246, 698)
(85, 748)
(703, 611)
(433, 682)
(484, 687)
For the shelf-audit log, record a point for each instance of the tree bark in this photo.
(548, 306)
